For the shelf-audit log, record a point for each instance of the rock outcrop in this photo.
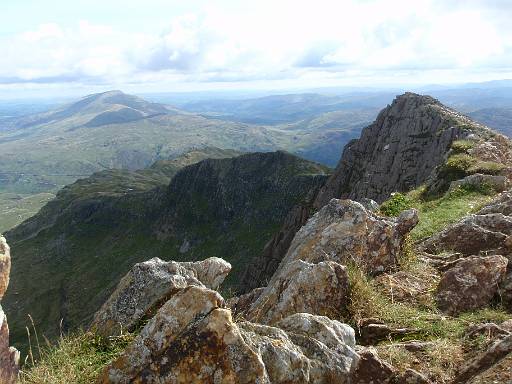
(498, 183)
(471, 283)
(312, 278)
(413, 130)
(9, 357)
(473, 234)
(150, 284)
(320, 289)
(193, 339)
(496, 352)
(397, 153)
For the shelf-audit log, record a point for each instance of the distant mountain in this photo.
(282, 109)
(69, 257)
(497, 118)
(44, 151)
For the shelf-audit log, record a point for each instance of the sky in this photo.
(62, 47)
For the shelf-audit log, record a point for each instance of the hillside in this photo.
(68, 257)
(497, 118)
(45, 151)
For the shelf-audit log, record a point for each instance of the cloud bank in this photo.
(369, 41)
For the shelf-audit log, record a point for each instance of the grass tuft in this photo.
(462, 146)
(77, 358)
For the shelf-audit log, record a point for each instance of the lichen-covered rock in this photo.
(311, 277)
(471, 283)
(473, 234)
(192, 339)
(9, 356)
(501, 204)
(148, 285)
(291, 357)
(319, 289)
(344, 231)
(477, 180)
(211, 271)
(330, 332)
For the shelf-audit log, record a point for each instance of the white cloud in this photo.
(272, 40)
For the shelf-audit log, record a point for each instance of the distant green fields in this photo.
(16, 207)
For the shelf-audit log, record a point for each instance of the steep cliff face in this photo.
(70, 256)
(398, 152)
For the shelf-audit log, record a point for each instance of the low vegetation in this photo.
(436, 214)
(77, 358)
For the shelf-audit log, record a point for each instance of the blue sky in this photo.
(59, 47)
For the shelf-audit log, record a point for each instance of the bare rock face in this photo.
(471, 283)
(320, 289)
(193, 339)
(9, 357)
(311, 277)
(414, 130)
(344, 231)
(473, 234)
(149, 284)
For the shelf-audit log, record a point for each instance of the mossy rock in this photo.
(462, 146)
(486, 167)
(397, 203)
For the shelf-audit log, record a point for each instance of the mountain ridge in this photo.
(401, 150)
(227, 207)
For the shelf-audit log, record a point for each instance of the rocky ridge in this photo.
(408, 145)
(227, 207)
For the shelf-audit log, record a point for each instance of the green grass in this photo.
(462, 146)
(368, 301)
(436, 214)
(397, 203)
(78, 358)
(16, 207)
(486, 167)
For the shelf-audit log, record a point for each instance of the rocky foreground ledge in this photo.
(287, 332)
(9, 356)
(291, 330)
